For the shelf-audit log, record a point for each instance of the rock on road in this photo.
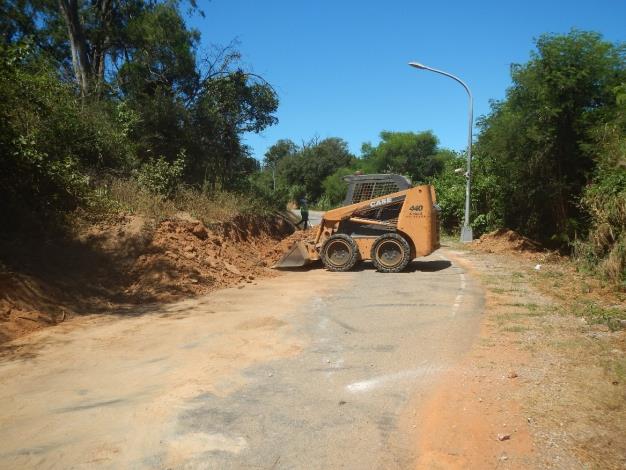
(308, 370)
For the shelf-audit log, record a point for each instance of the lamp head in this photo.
(417, 65)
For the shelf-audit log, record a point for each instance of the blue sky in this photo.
(339, 67)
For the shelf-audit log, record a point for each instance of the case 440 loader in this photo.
(383, 219)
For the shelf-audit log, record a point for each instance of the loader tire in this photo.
(390, 253)
(339, 252)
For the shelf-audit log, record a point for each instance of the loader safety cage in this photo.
(365, 187)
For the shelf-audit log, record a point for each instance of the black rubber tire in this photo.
(343, 262)
(402, 258)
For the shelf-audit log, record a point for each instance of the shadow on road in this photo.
(414, 266)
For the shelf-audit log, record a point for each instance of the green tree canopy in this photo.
(538, 141)
(406, 153)
(281, 149)
(311, 164)
(112, 87)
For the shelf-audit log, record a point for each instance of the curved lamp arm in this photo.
(466, 233)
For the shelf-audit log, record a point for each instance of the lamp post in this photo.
(466, 231)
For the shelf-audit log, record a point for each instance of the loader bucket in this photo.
(296, 256)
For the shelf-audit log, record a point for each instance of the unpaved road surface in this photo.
(309, 370)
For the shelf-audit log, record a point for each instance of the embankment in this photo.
(127, 261)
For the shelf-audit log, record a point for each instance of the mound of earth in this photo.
(129, 261)
(506, 241)
(188, 258)
(273, 255)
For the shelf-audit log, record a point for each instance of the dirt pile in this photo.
(507, 241)
(186, 258)
(275, 253)
(129, 261)
(27, 305)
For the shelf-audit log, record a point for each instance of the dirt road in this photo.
(308, 370)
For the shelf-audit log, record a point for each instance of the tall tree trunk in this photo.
(103, 11)
(78, 44)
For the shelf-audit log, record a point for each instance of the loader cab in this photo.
(365, 187)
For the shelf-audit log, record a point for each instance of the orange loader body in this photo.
(390, 229)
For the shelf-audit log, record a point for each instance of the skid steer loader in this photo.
(383, 219)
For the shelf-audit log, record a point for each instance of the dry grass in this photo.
(211, 209)
(569, 323)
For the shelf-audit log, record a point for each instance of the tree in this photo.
(604, 199)
(406, 153)
(313, 163)
(50, 141)
(132, 93)
(223, 109)
(90, 36)
(335, 188)
(538, 142)
(281, 149)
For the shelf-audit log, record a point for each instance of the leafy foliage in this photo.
(450, 189)
(49, 140)
(305, 169)
(317, 169)
(406, 153)
(551, 156)
(538, 143)
(161, 177)
(604, 200)
(91, 89)
(335, 188)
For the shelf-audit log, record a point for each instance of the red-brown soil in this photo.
(506, 241)
(275, 253)
(540, 388)
(129, 261)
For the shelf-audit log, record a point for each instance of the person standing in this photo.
(304, 214)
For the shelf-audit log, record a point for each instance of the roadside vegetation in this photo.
(125, 179)
(114, 106)
(103, 95)
(550, 158)
(552, 155)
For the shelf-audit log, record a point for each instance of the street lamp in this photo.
(466, 231)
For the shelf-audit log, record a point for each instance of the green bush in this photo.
(158, 176)
(604, 250)
(296, 192)
(324, 204)
(450, 190)
(261, 188)
(50, 141)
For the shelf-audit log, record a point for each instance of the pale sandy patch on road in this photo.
(107, 392)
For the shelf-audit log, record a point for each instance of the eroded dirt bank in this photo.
(130, 261)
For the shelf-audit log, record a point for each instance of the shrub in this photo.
(39, 180)
(52, 142)
(261, 188)
(160, 177)
(297, 192)
(604, 251)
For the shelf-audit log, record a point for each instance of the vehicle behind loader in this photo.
(383, 219)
